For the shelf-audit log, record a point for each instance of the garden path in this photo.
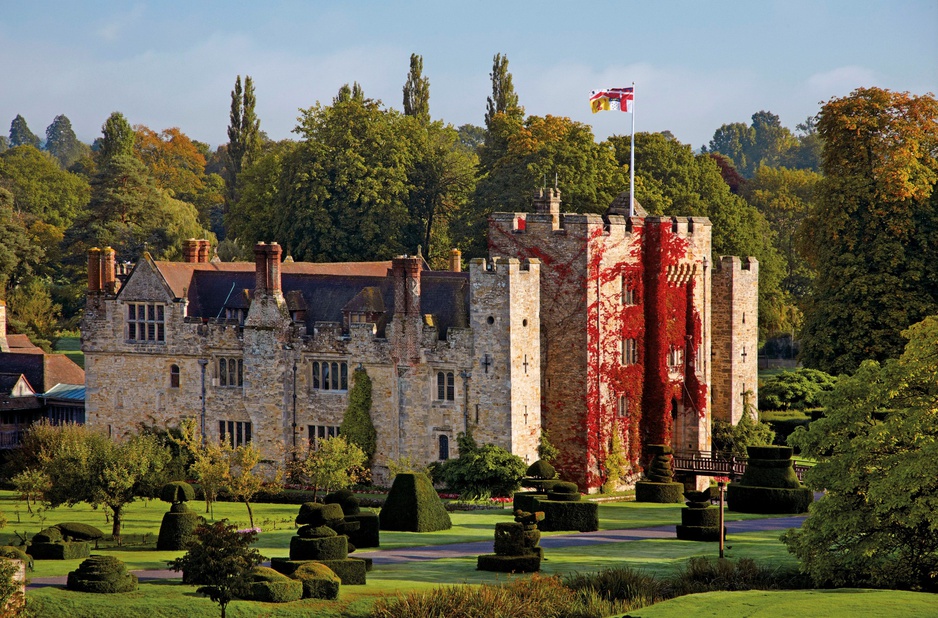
(462, 550)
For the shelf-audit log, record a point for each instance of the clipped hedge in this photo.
(541, 469)
(368, 533)
(101, 575)
(662, 493)
(177, 491)
(77, 531)
(59, 550)
(178, 528)
(345, 499)
(350, 571)
(413, 505)
(579, 516)
(319, 581)
(525, 500)
(768, 500)
(269, 586)
(319, 549)
(509, 564)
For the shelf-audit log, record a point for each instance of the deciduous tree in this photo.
(872, 232)
(877, 461)
(41, 188)
(243, 134)
(117, 138)
(335, 464)
(417, 91)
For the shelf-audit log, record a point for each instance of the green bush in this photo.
(482, 471)
(9, 551)
(178, 527)
(269, 586)
(734, 439)
(768, 500)
(661, 493)
(315, 514)
(794, 390)
(346, 499)
(413, 505)
(509, 564)
(368, 533)
(59, 550)
(319, 581)
(177, 491)
(101, 574)
(325, 548)
(541, 469)
(357, 426)
(621, 584)
(524, 500)
(579, 516)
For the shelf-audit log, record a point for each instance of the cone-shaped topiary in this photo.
(177, 529)
(413, 505)
(769, 484)
(658, 485)
(101, 574)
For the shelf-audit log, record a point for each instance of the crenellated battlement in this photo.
(732, 266)
(501, 265)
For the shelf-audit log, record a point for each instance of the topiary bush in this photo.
(658, 485)
(368, 532)
(579, 516)
(541, 469)
(77, 531)
(319, 581)
(176, 492)
(269, 586)
(178, 527)
(56, 542)
(516, 546)
(524, 500)
(103, 575)
(769, 484)
(413, 505)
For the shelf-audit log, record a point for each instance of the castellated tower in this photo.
(735, 336)
(505, 386)
(624, 329)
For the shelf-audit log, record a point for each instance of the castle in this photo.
(581, 324)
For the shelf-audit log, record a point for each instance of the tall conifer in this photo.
(417, 91)
(243, 134)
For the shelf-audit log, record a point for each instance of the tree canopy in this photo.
(872, 231)
(62, 143)
(877, 460)
(20, 135)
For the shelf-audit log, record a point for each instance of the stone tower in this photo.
(735, 336)
(505, 385)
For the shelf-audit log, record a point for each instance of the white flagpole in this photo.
(632, 160)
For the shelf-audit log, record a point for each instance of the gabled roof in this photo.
(68, 392)
(10, 381)
(43, 371)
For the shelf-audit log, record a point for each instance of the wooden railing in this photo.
(709, 463)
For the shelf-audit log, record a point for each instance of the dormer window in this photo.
(146, 322)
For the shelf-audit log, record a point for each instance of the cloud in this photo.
(118, 23)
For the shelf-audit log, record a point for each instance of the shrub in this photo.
(413, 505)
(794, 390)
(768, 500)
(319, 581)
(579, 516)
(734, 439)
(621, 584)
(482, 470)
(177, 491)
(662, 493)
(178, 527)
(704, 574)
(524, 500)
(103, 575)
(59, 550)
(9, 551)
(12, 597)
(269, 586)
(541, 469)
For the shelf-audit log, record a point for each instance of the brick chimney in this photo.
(4, 344)
(94, 270)
(108, 271)
(267, 269)
(190, 250)
(455, 261)
(205, 251)
(406, 273)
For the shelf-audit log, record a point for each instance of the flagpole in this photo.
(632, 160)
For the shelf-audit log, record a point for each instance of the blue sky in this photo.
(695, 64)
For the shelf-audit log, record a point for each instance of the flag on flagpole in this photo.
(612, 99)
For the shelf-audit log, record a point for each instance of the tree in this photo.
(749, 431)
(877, 460)
(41, 188)
(4, 143)
(220, 562)
(343, 191)
(19, 255)
(335, 464)
(32, 312)
(62, 143)
(417, 92)
(545, 449)
(794, 390)
(117, 138)
(356, 422)
(20, 135)
(243, 134)
(616, 462)
(504, 100)
(172, 160)
(253, 217)
(482, 471)
(872, 231)
(12, 599)
(84, 465)
(673, 180)
(209, 464)
(244, 479)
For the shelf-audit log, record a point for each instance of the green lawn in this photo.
(70, 346)
(796, 604)
(171, 598)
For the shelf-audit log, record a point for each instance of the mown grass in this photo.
(70, 346)
(848, 603)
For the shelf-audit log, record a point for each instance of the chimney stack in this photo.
(455, 261)
(274, 251)
(267, 269)
(205, 250)
(406, 273)
(94, 270)
(190, 250)
(108, 271)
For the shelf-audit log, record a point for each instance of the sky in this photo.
(695, 64)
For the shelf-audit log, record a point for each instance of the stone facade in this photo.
(582, 323)
(735, 337)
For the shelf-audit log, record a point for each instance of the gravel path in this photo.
(461, 550)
